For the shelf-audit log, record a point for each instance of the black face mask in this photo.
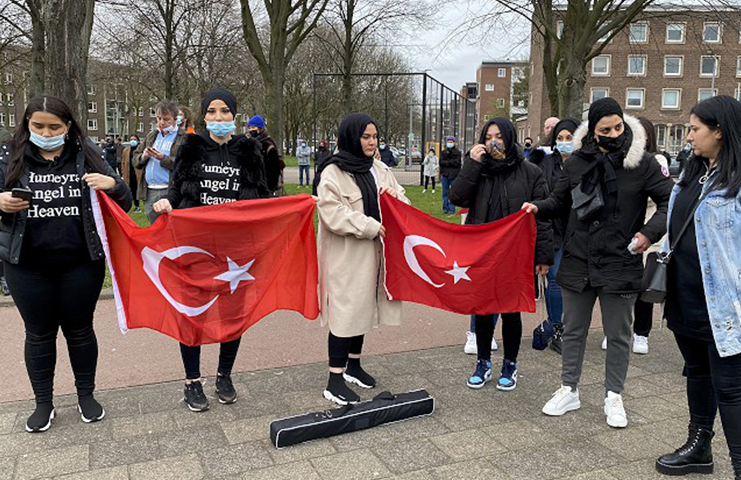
(610, 144)
(528, 145)
(254, 133)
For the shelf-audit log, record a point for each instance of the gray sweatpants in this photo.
(617, 315)
(153, 196)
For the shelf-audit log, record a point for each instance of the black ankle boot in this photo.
(695, 456)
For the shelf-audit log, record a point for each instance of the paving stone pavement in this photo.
(149, 434)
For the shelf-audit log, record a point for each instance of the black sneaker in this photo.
(195, 399)
(355, 374)
(4, 286)
(89, 408)
(225, 389)
(338, 392)
(40, 419)
(556, 341)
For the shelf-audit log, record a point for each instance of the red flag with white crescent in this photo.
(468, 269)
(206, 274)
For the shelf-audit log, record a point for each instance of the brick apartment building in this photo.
(658, 67)
(495, 82)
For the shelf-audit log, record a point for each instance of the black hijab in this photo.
(351, 159)
(513, 154)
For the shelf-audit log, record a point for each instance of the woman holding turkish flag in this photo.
(494, 182)
(214, 167)
(350, 261)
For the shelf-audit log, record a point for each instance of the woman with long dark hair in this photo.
(54, 260)
(214, 167)
(704, 285)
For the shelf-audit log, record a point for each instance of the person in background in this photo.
(527, 146)
(110, 151)
(303, 156)
(387, 156)
(430, 165)
(185, 119)
(450, 166)
(322, 153)
(156, 157)
(131, 175)
(684, 155)
(272, 158)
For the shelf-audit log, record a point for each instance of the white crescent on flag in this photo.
(410, 241)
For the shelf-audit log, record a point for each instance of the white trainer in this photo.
(564, 400)
(494, 345)
(604, 343)
(470, 347)
(615, 411)
(640, 344)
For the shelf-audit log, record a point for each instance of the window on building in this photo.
(140, 127)
(92, 107)
(90, 90)
(677, 139)
(502, 73)
(8, 78)
(675, 32)
(152, 113)
(661, 136)
(634, 97)
(1, 99)
(489, 87)
(737, 94)
(711, 32)
(140, 113)
(673, 66)
(738, 66)
(11, 119)
(9, 99)
(2, 119)
(559, 29)
(637, 65)
(638, 32)
(92, 124)
(601, 65)
(500, 102)
(670, 98)
(709, 66)
(152, 125)
(705, 93)
(597, 93)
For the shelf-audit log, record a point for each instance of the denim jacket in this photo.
(718, 237)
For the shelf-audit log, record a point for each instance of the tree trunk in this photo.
(67, 51)
(37, 84)
(573, 81)
(348, 60)
(274, 100)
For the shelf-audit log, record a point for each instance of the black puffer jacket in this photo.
(196, 149)
(596, 249)
(13, 225)
(450, 163)
(552, 166)
(273, 162)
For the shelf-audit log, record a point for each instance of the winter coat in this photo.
(388, 158)
(552, 166)
(303, 155)
(431, 165)
(13, 225)
(524, 184)
(596, 248)
(167, 162)
(127, 158)
(110, 155)
(351, 290)
(450, 162)
(273, 162)
(198, 149)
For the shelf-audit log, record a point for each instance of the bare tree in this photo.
(290, 22)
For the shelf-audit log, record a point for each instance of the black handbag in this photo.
(655, 273)
(384, 408)
(586, 204)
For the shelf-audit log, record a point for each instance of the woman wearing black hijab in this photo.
(493, 183)
(214, 167)
(350, 260)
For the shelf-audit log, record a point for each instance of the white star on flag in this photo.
(458, 273)
(236, 274)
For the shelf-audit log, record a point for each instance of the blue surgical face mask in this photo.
(303, 145)
(221, 129)
(133, 143)
(179, 120)
(565, 148)
(382, 147)
(48, 144)
(450, 144)
(170, 129)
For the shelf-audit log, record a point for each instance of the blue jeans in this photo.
(553, 300)
(447, 206)
(301, 170)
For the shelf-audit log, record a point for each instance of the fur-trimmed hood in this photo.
(637, 147)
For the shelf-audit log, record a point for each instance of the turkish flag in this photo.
(468, 269)
(206, 274)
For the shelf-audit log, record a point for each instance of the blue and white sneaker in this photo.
(481, 375)
(508, 380)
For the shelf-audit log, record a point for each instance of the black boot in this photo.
(695, 456)
(736, 468)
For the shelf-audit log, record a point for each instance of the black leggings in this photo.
(713, 383)
(340, 349)
(427, 181)
(192, 359)
(644, 316)
(50, 297)
(511, 335)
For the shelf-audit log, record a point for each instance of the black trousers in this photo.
(50, 297)
(713, 383)
(427, 182)
(340, 349)
(644, 316)
(511, 335)
(192, 359)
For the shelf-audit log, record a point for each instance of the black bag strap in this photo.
(686, 225)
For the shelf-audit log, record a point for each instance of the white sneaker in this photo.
(424, 191)
(604, 343)
(470, 347)
(433, 190)
(640, 344)
(615, 411)
(494, 345)
(563, 400)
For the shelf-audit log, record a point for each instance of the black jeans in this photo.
(192, 359)
(340, 349)
(50, 297)
(427, 182)
(511, 335)
(713, 383)
(643, 317)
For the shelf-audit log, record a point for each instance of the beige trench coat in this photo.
(351, 292)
